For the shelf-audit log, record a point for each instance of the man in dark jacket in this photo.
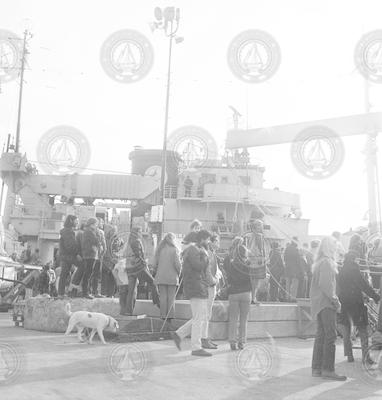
(351, 286)
(69, 251)
(293, 270)
(137, 270)
(195, 287)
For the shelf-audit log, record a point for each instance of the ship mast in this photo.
(23, 56)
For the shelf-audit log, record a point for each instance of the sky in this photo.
(66, 85)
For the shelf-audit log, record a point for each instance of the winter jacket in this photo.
(90, 244)
(195, 263)
(323, 287)
(135, 256)
(352, 285)
(68, 245)
(292, 258)
(79, 241)
(238, 271)
(168, 267)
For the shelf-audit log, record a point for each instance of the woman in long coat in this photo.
(351, 287)
(168, 267)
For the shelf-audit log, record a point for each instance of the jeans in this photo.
(238, 308)
(292, 288)
(210, 303)
(324, 349)
(89, 265)
(196, 325)
(108, 285)
(123, 291)
(142, 276)
(78, 275)
(94, 279)
(65, 271)
(274, 286)
(167, 300)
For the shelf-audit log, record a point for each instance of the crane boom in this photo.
(368, 123)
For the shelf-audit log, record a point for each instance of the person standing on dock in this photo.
(325, 306)
(256, 247)
(168, 267)
(195, 264)
(137, 269)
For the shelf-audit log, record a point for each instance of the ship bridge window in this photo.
(207, 178)
(245, 180)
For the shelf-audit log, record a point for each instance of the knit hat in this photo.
(91, 221)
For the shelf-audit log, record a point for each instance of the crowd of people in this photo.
(322, 270)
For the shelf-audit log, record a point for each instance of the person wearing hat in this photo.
(90, 251)
(256, 247)
(137, 270)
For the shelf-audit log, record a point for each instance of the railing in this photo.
(174, 192)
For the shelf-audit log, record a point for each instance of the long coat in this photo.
(351, 286)
(168, 267)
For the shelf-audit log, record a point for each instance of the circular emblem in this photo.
(194, 144)
(63, 150)
(317, 152)
(10, 363)
(155, 171)
(127, 56)
(127, 362)
(368, 56)
(254, 56)
(118, 250)
(254, 362)
(10, 56)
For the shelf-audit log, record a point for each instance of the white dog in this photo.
(97, 322)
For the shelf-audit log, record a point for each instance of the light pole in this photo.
(168, 20)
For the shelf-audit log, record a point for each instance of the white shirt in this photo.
(120, 271)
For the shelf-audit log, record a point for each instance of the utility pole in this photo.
(168, 20)
(23, 55)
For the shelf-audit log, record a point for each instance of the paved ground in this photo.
(54, 367)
